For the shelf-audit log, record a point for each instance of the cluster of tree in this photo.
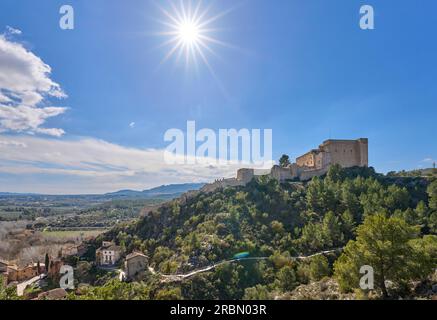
(430, 172)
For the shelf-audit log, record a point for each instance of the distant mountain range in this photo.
(162, 192)
(165, 191)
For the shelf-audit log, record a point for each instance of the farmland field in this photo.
(65, 234)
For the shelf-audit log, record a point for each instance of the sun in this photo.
(190, 32)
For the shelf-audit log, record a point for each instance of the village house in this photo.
(15, 273)
(135, 263)
(108, 254)
(74, 250)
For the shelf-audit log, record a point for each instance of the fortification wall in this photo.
(221, 184)
(245, 175)
(282, 174)
(308, 175)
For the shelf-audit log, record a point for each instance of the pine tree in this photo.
(284, 161)
(386, 245)
(432, 194)
(47, 262)
(319, 267)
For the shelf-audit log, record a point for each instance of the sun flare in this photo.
(189, 32)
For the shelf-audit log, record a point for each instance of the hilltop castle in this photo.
(346, 153)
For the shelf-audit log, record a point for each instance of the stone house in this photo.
(74, 250)
(19, 274)
(134, 264)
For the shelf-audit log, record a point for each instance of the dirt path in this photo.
(180, 277)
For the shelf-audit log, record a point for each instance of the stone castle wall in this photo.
(346, 153)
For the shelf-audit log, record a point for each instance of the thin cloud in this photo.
(13, 31)
(88, 165)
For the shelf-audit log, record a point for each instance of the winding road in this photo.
(180, 277)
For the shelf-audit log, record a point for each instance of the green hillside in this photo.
(395, 219)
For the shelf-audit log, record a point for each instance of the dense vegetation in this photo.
(7, 293)
(387, 222)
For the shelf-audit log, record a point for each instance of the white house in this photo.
(108, 254)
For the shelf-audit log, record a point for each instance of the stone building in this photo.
(74, 250)
(108, 254)
(346, 153)
(16, 273)
(135, 264)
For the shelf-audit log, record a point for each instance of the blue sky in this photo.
(302, 68)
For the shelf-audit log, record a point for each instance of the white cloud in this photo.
(132, 124)
(12, 143)
(25, 83)
(88, 165)
(427, 160)
(13, 31)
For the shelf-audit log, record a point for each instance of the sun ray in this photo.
(213, 74)
(196, 11)
(209, 49)
(166, 43)
(171, 52)
(171, 17)
(216, 17)
(183, 13)
(177, 11)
